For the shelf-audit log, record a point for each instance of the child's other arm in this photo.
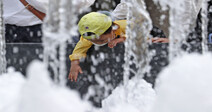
(114, 42)
(79, 52)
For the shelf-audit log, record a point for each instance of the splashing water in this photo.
(183, 14)
(139, 26)
(126, 97)
(140, 97)
(204, 13)
(38, 93)
(49, 97)
(185, 90)
(2, 42)
(58, 28)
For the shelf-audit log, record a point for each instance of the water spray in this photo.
(136, 45)
(3, 62)
(57, 30)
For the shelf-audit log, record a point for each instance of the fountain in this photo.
(57, 31)
(136, 94)
(204, 14)
(2, 42)
(136, 45)
(182, 20)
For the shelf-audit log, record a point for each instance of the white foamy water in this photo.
(10, 88)
(37, 93)
(185, 86)
(136, 96)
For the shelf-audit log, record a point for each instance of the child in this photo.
(98, 29)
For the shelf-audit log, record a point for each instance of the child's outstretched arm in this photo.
(114, 42)
(79, 52)
(74, 70)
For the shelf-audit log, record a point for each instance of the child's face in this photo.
(105, 38)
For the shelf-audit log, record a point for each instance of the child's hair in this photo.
(109, 29)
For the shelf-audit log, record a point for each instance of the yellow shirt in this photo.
(83, 45)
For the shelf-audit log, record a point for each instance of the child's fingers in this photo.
(165, 40)
(156, 40)
(115, 43)
(110, 45)
(70, 77)
(80, 70)
(75, 78)
(160, 40)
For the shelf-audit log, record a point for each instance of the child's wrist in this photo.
(74, 62)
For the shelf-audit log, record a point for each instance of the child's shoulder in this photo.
(122, 24)
(120, 21)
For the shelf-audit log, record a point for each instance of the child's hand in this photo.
(160, 40)
(74, 70)
(114, 42)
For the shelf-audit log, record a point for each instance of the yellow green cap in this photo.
(94, 22)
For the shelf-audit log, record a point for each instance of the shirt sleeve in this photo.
(80, 49)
